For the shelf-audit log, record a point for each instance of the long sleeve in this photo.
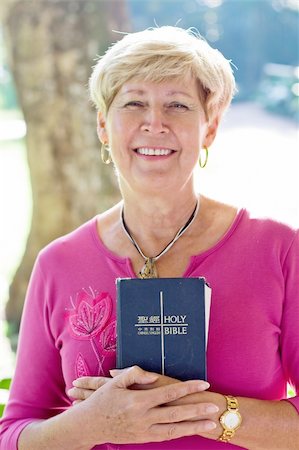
(258, 288)
(290, 320)
(37, 390)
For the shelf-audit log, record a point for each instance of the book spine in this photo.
(118, 329)
(162, 334)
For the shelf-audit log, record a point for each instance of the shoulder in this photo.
(69, 246)
(258, 224)
(250, 229)
(268, 237)
(268, 227)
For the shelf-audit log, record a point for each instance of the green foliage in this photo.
(2, 406)
(291, 393)
(5, 385)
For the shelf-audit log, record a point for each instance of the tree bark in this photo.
(52, 45)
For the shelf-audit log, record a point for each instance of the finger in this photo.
(134, 375)
(80, 394)
(178, 430)
(115, 372)
(172, 414)
(172, 392)
(92, 383)
(76, 402)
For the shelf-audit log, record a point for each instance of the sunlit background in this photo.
(254, 160)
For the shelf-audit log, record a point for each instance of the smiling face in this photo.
(155, 132)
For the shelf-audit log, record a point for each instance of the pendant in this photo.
(149, 269)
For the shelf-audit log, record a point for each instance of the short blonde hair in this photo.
(157, 54)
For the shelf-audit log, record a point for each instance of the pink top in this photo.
(68, 326)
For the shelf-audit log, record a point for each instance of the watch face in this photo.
(231, 420)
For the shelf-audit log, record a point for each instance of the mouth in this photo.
(151, 151)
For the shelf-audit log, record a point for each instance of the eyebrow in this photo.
(168, 94)
(179, 92)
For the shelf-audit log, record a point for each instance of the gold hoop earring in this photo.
(105, 154)
(202, 163)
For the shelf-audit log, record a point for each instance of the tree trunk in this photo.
(52, 45)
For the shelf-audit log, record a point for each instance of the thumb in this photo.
(134, 375)
(115, 372)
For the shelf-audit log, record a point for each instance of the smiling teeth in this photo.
(153, 151)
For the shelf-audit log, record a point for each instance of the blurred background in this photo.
(51, 177)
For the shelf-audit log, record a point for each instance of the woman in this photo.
(160, 96)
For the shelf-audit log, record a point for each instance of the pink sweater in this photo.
(68, 326)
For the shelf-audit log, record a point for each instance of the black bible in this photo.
(162, 325)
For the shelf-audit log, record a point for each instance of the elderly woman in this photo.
(160, 96)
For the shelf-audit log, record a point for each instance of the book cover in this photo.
(162, 325)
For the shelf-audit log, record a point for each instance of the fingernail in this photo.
(211, 426)
(204, 385)
(212, 409)
(114, 372)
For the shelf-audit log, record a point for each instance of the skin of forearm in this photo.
(61, 432)
(268, 425)
(265, 424)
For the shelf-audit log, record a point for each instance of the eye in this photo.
(179, 106)
(133, 104)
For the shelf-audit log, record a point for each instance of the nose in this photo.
(154, 121)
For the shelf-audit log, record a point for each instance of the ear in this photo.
(212, 129)
(101, 128)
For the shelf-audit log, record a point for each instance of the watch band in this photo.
(226, 435)
(232, 408)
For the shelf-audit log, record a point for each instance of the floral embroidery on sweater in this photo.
(107, 339)
(91, 313)
(88, 318)
(81, 367)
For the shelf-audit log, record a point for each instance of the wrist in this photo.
(77, 415)
(230, 420)
(60, 431)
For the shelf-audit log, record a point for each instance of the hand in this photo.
(117, 414)
(83, 387)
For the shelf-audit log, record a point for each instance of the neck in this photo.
(154, 221)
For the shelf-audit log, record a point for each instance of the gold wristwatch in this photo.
(231, 419)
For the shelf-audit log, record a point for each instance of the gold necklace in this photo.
(149, 270)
